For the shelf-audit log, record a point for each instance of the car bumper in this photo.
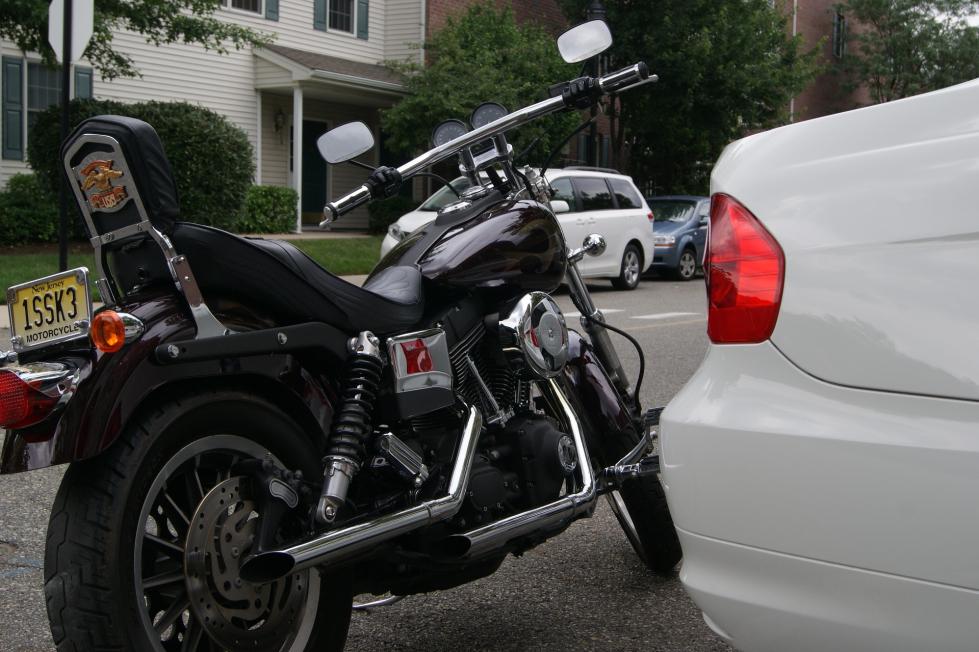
(387, 244)
(817, 517)
(665, 258)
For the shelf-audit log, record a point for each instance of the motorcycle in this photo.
(253, 441)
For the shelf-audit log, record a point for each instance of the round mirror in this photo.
(345, 142)
(486, 113)
(448, 131)
(584, 41)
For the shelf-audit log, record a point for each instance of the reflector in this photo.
(21, 404)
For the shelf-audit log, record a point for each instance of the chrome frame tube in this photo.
(491, 537)
(342, 544)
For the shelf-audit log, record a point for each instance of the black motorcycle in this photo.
(254, 441)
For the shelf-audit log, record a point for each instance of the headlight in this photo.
(396, 232)
(664, 240)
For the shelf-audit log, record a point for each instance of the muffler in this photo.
(559, 513)
(340, 545)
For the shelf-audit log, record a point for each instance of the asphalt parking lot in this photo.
(584, 590)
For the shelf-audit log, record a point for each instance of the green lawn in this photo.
(340, 256)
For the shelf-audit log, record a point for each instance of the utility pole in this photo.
(65, 122)
(596, 11)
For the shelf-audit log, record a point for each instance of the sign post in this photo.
(70, 26)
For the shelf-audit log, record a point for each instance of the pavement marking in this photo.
(667, 315)
(604, 311)
(669, 324)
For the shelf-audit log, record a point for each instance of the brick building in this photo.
(815, 20)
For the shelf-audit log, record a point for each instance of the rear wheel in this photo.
(145, 541)
(686, 267)
(629, 270)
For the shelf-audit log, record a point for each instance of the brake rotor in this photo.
(237, 614)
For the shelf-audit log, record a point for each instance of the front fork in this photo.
(593, 321)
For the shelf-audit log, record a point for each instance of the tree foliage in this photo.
(25, 22)
(480, 56)
(899, 48)
(725, 69)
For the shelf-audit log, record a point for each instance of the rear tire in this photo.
(630, 270)
(686, 267)
(101, 595)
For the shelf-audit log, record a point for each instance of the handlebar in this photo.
(610, 83)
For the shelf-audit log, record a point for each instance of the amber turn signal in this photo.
(108, 331)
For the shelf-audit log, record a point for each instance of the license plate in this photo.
(49, 310)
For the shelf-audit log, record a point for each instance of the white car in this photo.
(822, 465)
(587, 200)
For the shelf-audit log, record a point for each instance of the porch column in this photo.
(258, 138)
(297, 153)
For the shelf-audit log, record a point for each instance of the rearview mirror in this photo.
(560, 206)
(584, 41)
(345, 142)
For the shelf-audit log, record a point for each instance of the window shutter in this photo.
(13, 108)
(83, 83)
(272, 9)
(362, 14)
(319, 15)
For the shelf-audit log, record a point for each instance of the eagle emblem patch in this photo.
(97, 179)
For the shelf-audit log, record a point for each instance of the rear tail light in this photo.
(745, 270)
(650, 216)
(28, 394)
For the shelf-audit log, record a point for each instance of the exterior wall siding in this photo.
(403, 35)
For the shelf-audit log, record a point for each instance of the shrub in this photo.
(268, 209)
(211, 158)
(28, 212)
(384, 213)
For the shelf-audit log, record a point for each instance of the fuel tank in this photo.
(510, 246)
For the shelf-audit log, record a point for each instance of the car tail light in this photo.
(650, 216)
(745, 269)
(28, 394)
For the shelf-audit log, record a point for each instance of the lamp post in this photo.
(596, 11)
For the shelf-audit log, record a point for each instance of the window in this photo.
(563, 191)
(839, 35)
(595, 195)
(247, 5)
(342, 15)
(28, 89)
(625, 194)
(43, 90)
(255, 6)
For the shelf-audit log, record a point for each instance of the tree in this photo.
(725, 68)
(901, 48)
(25, 22)
(483, 55)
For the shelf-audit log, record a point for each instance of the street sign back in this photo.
(82, 25)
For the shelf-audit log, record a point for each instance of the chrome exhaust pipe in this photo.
(340, 545)
(491, 537)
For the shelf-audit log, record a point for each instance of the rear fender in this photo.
(596, 401)
(113, 388)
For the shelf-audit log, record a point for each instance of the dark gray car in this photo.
(680, 233)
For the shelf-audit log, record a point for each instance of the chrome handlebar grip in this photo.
(609, 83)
(621, 78)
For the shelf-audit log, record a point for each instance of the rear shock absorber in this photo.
(351, 425)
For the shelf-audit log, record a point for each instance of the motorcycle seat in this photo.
(293, 287)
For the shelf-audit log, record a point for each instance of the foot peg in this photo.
(615, 475)
(651, 418)
(396, 454)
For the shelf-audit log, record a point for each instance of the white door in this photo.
(572, 223)
(599, 215)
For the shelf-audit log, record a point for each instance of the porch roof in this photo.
(310, 66)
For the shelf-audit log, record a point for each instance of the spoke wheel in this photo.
(145, 541)
(197, 519)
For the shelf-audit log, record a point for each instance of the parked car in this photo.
(680, 233)
(425, 213)
(587, 200)
(822, 465)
